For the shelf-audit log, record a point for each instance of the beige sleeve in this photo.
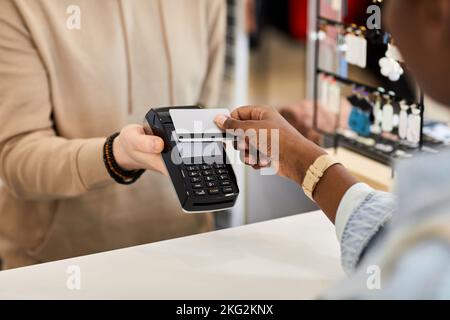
(34, 162)
(216, 19)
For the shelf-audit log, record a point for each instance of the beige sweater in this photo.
(63, 90)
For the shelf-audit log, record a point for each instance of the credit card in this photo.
(197, 125)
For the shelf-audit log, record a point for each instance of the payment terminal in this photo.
(197, 163)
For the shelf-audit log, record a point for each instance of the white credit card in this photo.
(197, 124)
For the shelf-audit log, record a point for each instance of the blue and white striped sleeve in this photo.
(361, 214)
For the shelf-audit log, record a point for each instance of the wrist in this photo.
(304, 154)
(119, 174)
(124, 161)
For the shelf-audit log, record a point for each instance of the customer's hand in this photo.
(134, 150)
(295, 152)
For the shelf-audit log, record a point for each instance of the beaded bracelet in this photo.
(114, 170)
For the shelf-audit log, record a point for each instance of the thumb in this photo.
(224, 122)
(220, 121)
(156, 145)
(149, 144)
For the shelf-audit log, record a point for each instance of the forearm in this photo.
(42, 166)
(358, 211)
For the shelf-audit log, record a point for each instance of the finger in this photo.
(228, 123)
(150, 162)
(148, 144)
(241, 144)
(236, 144)
(246, 159)
(260, 166)
(220, 120)
(263, 161)
(248, 113)
(250, 158)
(245, 113)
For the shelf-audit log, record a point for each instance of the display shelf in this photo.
(340, 140)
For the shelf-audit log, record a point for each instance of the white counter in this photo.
(290, 258)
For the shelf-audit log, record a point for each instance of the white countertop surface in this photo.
(290, 258)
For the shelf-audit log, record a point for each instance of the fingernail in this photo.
(158, 145)
(252, 160)
(264, 162)
(220, 120)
